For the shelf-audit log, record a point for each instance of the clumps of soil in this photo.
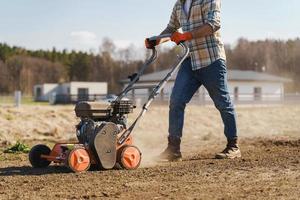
(5, 143)
(52, 132)
(286, 143)
(266, 171)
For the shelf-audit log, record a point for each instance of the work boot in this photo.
(172, 152)
(231, 151)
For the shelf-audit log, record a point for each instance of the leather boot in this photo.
(172, 152)
(231, 151)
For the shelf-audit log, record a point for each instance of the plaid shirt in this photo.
(205, 50)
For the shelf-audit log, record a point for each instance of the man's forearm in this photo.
(166, 31)
(203, 31)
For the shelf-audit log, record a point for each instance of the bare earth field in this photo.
(269, 169)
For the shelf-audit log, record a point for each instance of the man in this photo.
(206, 65)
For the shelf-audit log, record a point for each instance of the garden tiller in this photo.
(104, 139)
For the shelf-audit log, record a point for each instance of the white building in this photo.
(69, 92)
(244, 86)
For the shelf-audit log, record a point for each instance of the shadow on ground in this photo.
(27, 170)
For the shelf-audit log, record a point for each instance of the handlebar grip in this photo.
(181, 42)
(154, 38)
(152, 43)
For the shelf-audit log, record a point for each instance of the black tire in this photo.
(35, 156)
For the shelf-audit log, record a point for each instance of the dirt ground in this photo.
(269, 169)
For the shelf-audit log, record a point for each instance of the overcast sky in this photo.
(82, 24)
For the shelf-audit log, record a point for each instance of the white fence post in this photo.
(18, 98)
(52, 98)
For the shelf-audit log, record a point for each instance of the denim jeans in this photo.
(214, 79)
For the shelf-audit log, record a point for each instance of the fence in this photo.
(162, 99)
(73, 99)
(246, 98)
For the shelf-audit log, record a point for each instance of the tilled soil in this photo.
(269, 169)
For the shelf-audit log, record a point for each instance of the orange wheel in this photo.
(79, 160)
(130, 157)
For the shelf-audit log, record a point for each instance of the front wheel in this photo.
(35, 156)
(130, 157)
(79, 160)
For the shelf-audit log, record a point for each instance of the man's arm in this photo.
(172, 27)
(203, 31)
(166, 31)
(211, 13)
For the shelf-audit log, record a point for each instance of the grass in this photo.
(26, 100)
(18, 148)
(2, 158)
(8, 117)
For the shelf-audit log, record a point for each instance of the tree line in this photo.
(21, 69)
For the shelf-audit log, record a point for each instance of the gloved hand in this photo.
(181, 37)
(150, 44)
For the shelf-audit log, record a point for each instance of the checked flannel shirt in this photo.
(206, 50)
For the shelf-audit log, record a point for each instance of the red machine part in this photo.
(59, 152)
(129, 141)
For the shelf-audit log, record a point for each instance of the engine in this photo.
(95, 115)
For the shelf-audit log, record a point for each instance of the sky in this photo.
(82, 24)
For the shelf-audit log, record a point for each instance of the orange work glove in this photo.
(181, 37)
(150, 44)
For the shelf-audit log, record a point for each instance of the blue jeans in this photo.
(214, 79)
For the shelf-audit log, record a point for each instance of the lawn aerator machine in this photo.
(104, 139)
